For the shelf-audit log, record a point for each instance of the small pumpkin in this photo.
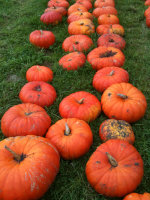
(51, 17)
(73, 61)
(108, 19)
(104, 3)
(82, 105)
(136, 196)
(104, 10)
(123, 101)
(115, 168)
(39, 73)
(116, 129)
(77, 43)
(38, 92)
(32, 163)
(61, 10)
(76, 8)
(105, 57)
(82, 26)
(42, 39)
(72, 137)
(87, 4)
(25, 119)
(109, 29)
(109, 75)
(79, 15)
(58, 3)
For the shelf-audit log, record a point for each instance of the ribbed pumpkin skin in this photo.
(108, 29)
(104, 3)
(39, 73)
(77, 43)
(88, 110)
(51, 17)
(61, 3)
(110, 180)
(104, 10)
(108, 19)
(25, 119)
(109, 75)
(30, 178)
(116, 129)
(136, 196)
(42, 39)
(38, 92)
(105, 57)
(75, 16)
(130, 107)
(76, 143)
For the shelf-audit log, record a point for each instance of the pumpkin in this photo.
(32, 163)
(147, 3)
(79, 15)
(123, 101)
(104, 3)
(107, 76)
(87, 4)
(25, 119)
(61, 10)
(39, 73)
(82, 26)
(72, 61)
(42, 39)
(77, 43)
(115, 168)
(58, 3)
(147, 12)
(108, 19)
(111, 40)
(105, 57)
(76, 8)
(110, 28)
(116, 129)
(38, 92)
(51, 17)
(82, 105)
(72, 137)
(104, 10)
(136, 196)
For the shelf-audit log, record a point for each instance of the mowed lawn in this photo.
(18, 18)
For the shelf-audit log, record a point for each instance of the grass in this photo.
(17, 20)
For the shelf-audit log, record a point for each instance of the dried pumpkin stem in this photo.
(123, 96)
(38, 68)
(111, 73)
(67, 129)
(81, 101)
(112, 160)
(41, 32)
(15, 155)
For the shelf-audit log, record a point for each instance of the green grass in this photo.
(17, 20)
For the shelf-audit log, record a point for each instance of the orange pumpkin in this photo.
(115, 168)
(123, 101)
(104, 3)
(32, 163)
(136, 196)
(79, 15)
(108, 19)
(147, 12)
(51, 17)
(25, 119)
(104, 10)
(147, 3)
(76, 8)
(72, 137)
(87, 4)
(58, 3)
(110, 28)
(116, 129)
(61, 10)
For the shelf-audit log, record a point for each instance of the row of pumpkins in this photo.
(32, 161)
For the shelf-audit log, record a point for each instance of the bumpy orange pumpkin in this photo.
(72, 61)
(108, 19)
(72, 137)
(79, 15)
(59, 3)
(87, 4)
(123, 101)
(39, 73)
(51, 17)
(102, 3)
(110, 28)
(32, 163)
(105, 57)
(136, 196)
(115, 168)
(61, 10)
(116, 129)
(76, 8)
(104, 10)
(25, 119)
(38, 92)
(82, 105)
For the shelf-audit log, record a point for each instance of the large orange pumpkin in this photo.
(104, 10)
(79, 15)
(51, 17)
(102, 3)
(58, 3)
(25, 119)
(108, 19)
(115, 168)
(72, 137)
(87, 4)
(28, 166)
(110, 28)
(123, 101)
(136, 196)
(76, 8)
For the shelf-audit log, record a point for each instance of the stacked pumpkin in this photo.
(147, 13)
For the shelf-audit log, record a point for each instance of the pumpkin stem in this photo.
(82, 24)
(111, 40)
(29, 113)
(111, 73)
(123, 96)
(38, 67)
(81, 101)
(74, 48)
(67, 129)
(108, 54)
(112, 160)
(16, 156)
(38, 88)
(41, 32)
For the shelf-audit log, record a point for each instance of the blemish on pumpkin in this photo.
(109, 94)
(108, 54)
(37, 88)
(127, 110)
(136, 164)
(98, 162)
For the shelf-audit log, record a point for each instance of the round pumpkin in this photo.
(39, 73)
(111, 40)
(72, 137)
(116, 129)
(58, 3)
(105, 57)
(42, 39)
(79, 15)
(87, 4)
(29, 165)
(77, 43)
(107, 76)
(115, 168)
(147, 12)
(38, 92)
(108, 19)
(110, 28)
(82, 105)
(136, 196)
(104, 3)
(51, 17)
(25, 119)
(61, 10)
(73, 61)
(76, 8)
(123, 101)
(104, 10)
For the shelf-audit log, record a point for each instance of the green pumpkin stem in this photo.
(67, 129)
(123, 96)
(112, 160)
(16, 156)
